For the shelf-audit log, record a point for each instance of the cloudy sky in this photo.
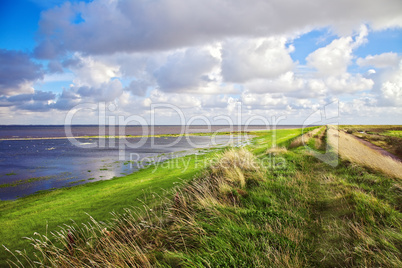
(211, 59)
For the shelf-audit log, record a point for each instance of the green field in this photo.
(253, 207)
(393, 133)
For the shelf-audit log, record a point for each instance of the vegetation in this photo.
(46, 211)
(271, 204)
(353, 150)
(386, 137)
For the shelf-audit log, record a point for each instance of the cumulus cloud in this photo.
(94, 80)
(290, 84)
(17, 72)
(186, 70)
(383, 60)
(107, 91)
(183, 101)
(37, 101)
(247, 59)
(67, 100)
(138, 87)
(334, 58)
(91, 72)
(391, 89)
(267, 101)
(202, 56)
(162, 25)
(347, 83)
(284, 83)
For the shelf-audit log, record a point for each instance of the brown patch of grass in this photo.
(276, 150)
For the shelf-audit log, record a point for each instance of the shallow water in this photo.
(31, 165)
(28, 166)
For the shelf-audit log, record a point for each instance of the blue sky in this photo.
(204, 59)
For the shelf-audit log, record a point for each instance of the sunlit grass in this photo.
(241, 211)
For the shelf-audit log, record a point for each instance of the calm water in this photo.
(31, 165)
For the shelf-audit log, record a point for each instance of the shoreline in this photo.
(133, 136)
(155, 160)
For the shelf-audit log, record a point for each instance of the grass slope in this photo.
(270, 208)
(48, 210)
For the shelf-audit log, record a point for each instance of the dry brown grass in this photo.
(276, 150)
(319, 139)
(351, 149)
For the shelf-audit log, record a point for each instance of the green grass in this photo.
(393, 133)
(277, 138)
(19, 182)
(48, 210)
(244, 211)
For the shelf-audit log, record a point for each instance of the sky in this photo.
(200, 62)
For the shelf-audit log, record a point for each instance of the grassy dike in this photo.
(50, 210)
(46, 211)
(251, 207)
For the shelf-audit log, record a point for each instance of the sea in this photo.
(40, 158)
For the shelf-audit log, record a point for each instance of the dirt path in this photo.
(351, 148)
(376, 148)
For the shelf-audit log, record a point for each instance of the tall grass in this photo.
(139, 238)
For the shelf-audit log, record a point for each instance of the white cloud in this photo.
(334, 58)
(255, 101)
(391, 90)
(170, 24)
(186, 70)
(205, 56)
(284, 83)
(247, 59)
(107, 91)
(183, 101)
(93, 73)
(383, 60)
(347, 83)
(290, 85)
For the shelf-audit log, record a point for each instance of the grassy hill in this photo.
(257, 206)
